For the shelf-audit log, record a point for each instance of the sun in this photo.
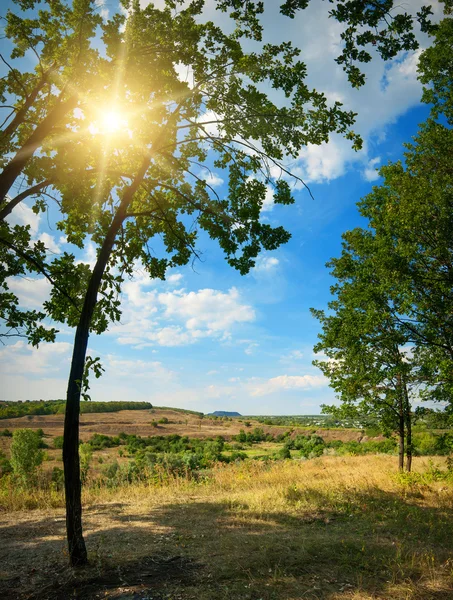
(112, 122)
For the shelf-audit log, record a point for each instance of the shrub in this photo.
(5, 465)
(57, 478)
(310, 447)
(284, 452)
(86, 454)
(26, 455)
(58, 442)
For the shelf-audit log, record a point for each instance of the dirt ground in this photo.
(33, 558)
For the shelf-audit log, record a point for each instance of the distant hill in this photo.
(224, 413)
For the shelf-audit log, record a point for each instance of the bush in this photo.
(26, 455)
(5, 465)
(309, 447)
(284, 452)
(426, 444)
(58, 442)
(58, 478)
(86, 454)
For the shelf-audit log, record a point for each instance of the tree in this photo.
(411, 215)
(26, 455)
(367, 362)
(390, 334)
(123, 178)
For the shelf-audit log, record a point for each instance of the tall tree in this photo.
(411, 214)
(395, 279)
(116, 138)
(367, 359)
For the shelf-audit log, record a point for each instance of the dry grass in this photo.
(333, 528)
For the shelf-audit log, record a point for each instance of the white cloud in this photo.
(268, 203)
(391, 87)
(21, 358)
(24, 215)
(30, 292)
(370, 173)
(251, 348)
(207, 309)
(185, 73)
(265, 264)
(292, 356)
(178, 317)
(212, 179)
(89, 256)
(174, 278)
(142, 369)
(287, 382)
(49, 242)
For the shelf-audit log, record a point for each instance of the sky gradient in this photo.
(208, 339)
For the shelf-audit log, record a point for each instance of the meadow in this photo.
(331, 527)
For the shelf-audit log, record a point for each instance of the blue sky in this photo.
(207, 338)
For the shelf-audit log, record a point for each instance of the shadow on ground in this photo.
(371, 545)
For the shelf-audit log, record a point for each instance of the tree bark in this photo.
(71, 461)
(401, 432)
(408, 417)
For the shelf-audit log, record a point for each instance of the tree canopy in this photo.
(390, 329)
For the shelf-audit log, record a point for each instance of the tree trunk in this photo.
(71, 461)
(401, 433)
(408, 418)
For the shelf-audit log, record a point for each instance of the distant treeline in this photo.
(10, 410)
(423, 418)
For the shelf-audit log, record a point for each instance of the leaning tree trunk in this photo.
(71, 461)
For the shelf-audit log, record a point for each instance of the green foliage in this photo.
(5, 464)
(9, 410)
(99, 441)
(284, 452)
(86, 454)
(388, 337)
(26, 455)
(354, 448)
(309, 447)
(432, 444)
(57, 478)
(58, 442)
(251, 437)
